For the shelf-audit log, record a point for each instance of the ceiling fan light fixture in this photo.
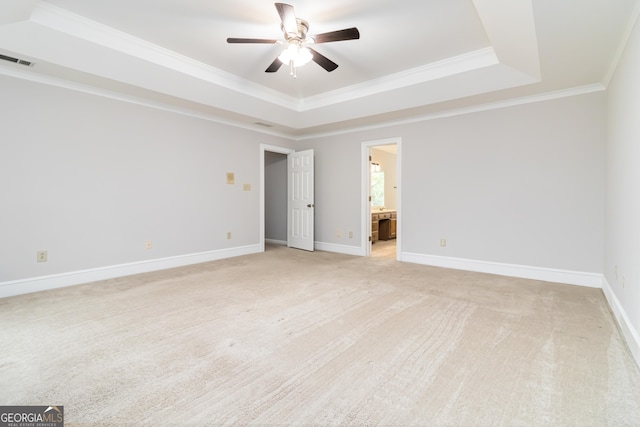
(295, 35)
(294, 52)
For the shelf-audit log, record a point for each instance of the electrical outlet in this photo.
(41, 256)
(230, 178)
(351, 234)
(338, 234)
(443, 242)
(148, 244)
(228, 235)
(246, 187)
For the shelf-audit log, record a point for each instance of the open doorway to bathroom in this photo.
(381, 190)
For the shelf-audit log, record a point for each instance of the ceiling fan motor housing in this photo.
(301, 35)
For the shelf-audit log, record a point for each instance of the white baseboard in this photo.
(341, 249)
(35, 284)
(628, 331)
(592, 280)
(276, 242)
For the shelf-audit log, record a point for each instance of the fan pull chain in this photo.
(293, 69)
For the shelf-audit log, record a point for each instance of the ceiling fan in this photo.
(297, 53)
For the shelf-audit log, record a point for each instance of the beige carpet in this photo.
(290, 337)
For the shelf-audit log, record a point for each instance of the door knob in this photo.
(310, 205)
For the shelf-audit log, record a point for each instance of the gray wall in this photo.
(622, 243)
(519, 185)
(275, 196)
(90, 179)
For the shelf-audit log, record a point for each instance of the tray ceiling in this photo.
(413, 58)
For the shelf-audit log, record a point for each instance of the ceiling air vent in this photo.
(16, 60)
(263, 124)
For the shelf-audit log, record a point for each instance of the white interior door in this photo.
(300, 203)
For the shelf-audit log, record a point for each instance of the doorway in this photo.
(273, 194)
(275, 198)
(381, 195)
(296, 188)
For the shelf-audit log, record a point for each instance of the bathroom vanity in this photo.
(383, 225)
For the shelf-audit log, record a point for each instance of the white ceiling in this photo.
(413, 58)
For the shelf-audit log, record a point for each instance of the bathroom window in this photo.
(377, 189)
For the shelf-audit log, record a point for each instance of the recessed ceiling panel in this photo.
(406, 35)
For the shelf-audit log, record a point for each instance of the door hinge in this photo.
(370, 238)
(369, 198)
(369, 158)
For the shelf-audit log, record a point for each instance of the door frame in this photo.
(263, 149)
(365, 209)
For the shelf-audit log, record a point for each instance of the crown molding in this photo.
(633, 21)
(480, 58)
(83, 28)
(546, 96)
(13, 71)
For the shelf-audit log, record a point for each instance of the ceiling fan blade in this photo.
(288, 17)
(336, 36)
(323, 61)
(237, 40)
(275, 66)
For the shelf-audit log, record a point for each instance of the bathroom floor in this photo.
(384, 249)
